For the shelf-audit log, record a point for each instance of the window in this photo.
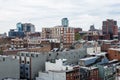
(36, 55)
(49, 54)
(28, 62)
(21, 72)
(3, 59)
(21, 67)
(26, 74)
(26, 68)
(22, 61)
(27, 55)
(32, 55)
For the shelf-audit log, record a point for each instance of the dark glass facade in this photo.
(13, 34)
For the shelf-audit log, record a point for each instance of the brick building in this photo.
(110, 27)
(114, 53)
(64, 35)
(89, 73)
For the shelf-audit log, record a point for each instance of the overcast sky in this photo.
(48, 13)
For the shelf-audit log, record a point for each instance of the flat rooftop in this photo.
(88, 58)
(116, 49)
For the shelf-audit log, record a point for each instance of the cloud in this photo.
(48, 13)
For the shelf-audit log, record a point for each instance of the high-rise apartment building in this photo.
(110, 27)
(62, 34)
(65, 22)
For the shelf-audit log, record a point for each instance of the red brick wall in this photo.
(113, 54)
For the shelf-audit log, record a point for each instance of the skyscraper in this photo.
(65, 22)
(25, 27)
(19, 26)
(110, 27)
(22, 30)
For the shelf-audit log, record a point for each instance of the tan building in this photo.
(46, 33)
(17, 43)
(62, 34)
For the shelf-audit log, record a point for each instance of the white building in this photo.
(92, 47)
(9, 67)
(59, 70)
(31, 62)
(52, 75)
(58, 65)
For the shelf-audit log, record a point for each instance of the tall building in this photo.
(25, 27)
(28, 27)
(92, 28)
(65, 22)
(14, 33)
(22, 29)
(110, 27)
(19, 27)
(62, 34)
(66, 34)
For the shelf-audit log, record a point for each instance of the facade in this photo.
(93, 47)
(33, 42)
(14, 33)
(77, 30)
(60, 64)
(61, 72)
(118, 71)
(19, 27)
(87, 61)
(34, 35)
(59, 75)
(30, 64)
(17, 43)
(62, 34)
(46, 33)
(89, 73)
(25, 27)
(9, 67)
(21, 30)
(114, 53)
(4, 35)
(65, 22)
(110, 27)
(92, 28)
(108, 71)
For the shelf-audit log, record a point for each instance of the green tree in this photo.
(1, 51)
(77, 36)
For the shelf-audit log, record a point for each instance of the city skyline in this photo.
(48, 13)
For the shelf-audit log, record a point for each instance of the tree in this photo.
(1, 51)
(77, 36)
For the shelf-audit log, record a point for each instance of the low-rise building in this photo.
(30, 64)
(114, 53)
(59, 70)
(107, 71)
(9, 67)
(17, 43)
(89, 73)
